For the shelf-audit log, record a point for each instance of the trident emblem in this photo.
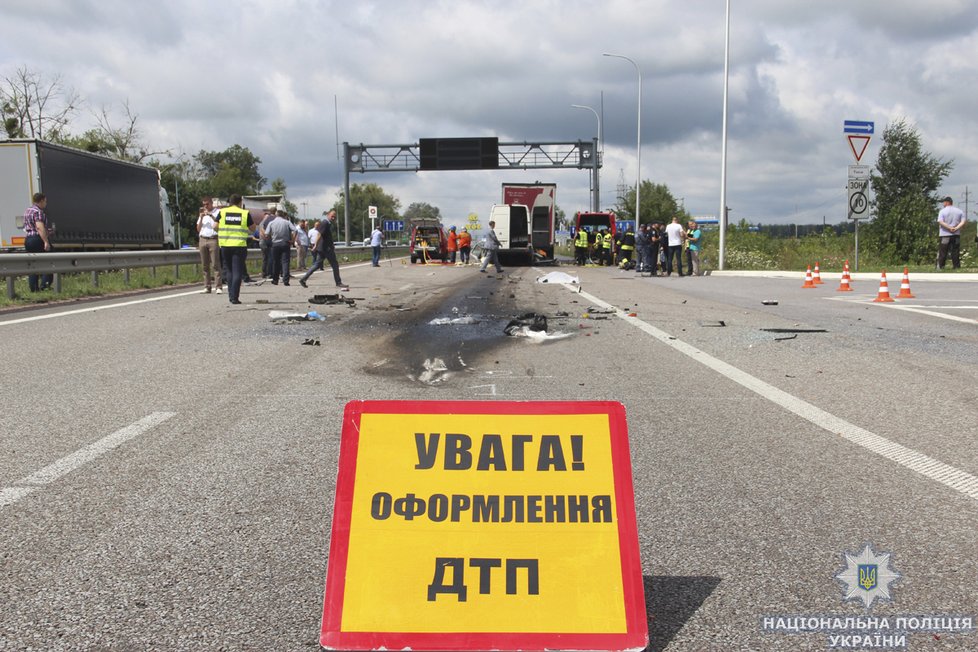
(867, 576)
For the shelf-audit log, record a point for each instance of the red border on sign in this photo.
(636, 635)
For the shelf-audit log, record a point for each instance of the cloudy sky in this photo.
(206, 74)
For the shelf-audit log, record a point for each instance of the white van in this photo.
(513, 230)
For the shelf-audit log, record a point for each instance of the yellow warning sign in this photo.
(510, 523)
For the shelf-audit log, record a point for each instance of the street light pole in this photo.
(723, 147)
(595, 195)
(638, 185)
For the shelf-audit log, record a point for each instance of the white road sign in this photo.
(858, 200)
(859, 171)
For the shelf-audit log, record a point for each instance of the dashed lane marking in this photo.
(64, 466)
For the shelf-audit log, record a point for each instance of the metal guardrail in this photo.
(55, 262)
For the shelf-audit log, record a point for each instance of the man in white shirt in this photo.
(376, 242)
(674, 246)
(210, 252)
(950, 220)
(301, 244)
(314, 236)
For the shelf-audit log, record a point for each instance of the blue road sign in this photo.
(393, 225)
(857, 127)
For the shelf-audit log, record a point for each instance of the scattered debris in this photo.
(539, 337)
(594, 310)
(562, 313)
(312, 342)
(331, 299)
(713, 324)
(283, 316)
(770, 302)
(530, 320)
(559, 277)
(794, 330)
(789, 337)
(533, 327)
(261, 300)
(460, 321)
(433, 371)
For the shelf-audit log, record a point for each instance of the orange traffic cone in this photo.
(905, 286)
(844, 284)
(808, 280)
(884, 294)
(816, 277)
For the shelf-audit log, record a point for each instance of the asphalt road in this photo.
(167, 466)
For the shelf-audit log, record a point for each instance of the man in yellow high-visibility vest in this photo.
(234, 225)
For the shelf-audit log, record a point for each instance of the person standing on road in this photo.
(655, 246)
(675, 235)
(37, 238)
(301, 245)
(580, 246)
(325, 250)
(281, 234)
(452, 245)
(950, 220)
(492, 250)
(376, 242)
(234, 224)
(464, 246)
(642, 244)
(265, 244)
(210, 252)
(693, 248)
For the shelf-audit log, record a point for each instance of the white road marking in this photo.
(922, 309)
(24, 320)
(69, 463)
(952, 477)
(930, 313)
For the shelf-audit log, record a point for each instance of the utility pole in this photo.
(304, 204)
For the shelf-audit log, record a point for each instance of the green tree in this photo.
(235, 170)
(905, 184)
(658, 204)
(421, 210)
(361, 197)
(214, 174)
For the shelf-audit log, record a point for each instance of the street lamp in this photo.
(638, 185)
(595, 195)
(723, 147)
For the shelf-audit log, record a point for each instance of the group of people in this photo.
(224, 234)
(654, 247)
(461, 243)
